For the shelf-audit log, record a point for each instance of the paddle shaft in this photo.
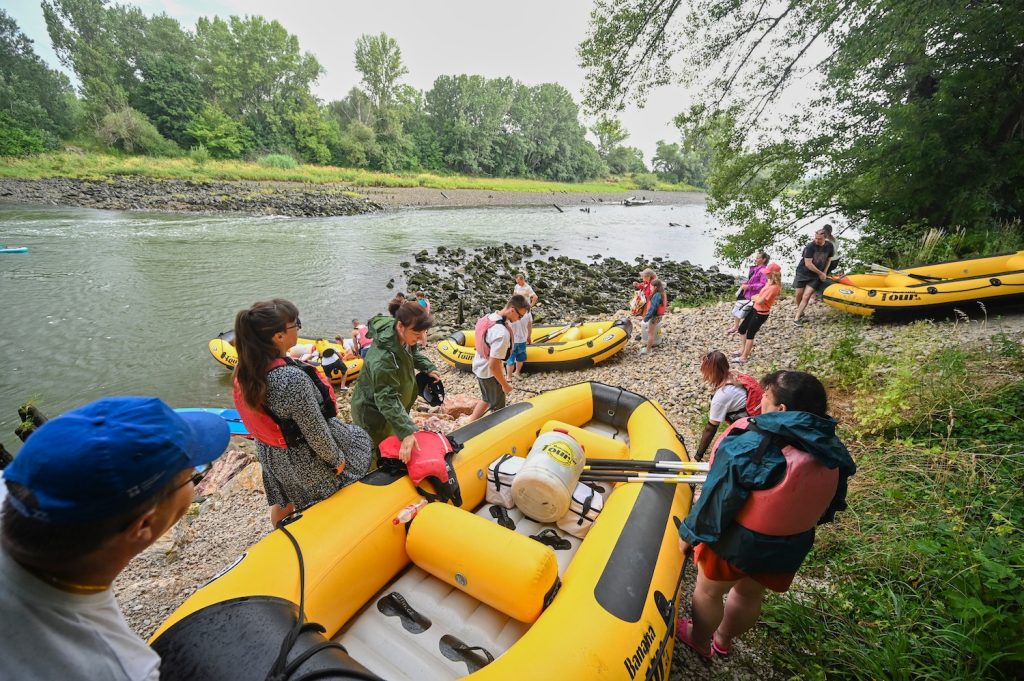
(643, 477)
(633, 465)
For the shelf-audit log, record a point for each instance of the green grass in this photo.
(923, 576)
(98, 166)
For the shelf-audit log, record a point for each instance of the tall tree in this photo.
(610, 133)
(379, 61)
(918, 121)
(33, 97)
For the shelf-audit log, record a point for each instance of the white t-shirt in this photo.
(46, 633)
(726, 400)
(498, 340)
(526, 291)
(520, 328)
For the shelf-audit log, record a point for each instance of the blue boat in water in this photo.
(232, 417)
(14, 249)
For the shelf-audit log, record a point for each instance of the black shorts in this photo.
(752, 323)
(802, 281)
(491, 392)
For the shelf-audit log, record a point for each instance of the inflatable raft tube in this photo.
(931, 289)
(223, 350)
(566, 346)
(404, 606)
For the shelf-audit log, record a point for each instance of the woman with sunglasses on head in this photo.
(387, 387)
(307, 454)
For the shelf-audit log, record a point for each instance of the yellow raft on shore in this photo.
(458, 592)
(566, 346)
(223, 350)
(931, 289)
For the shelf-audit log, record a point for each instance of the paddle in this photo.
(642, 477)
(608, 465)
(882, 269)
(553, 334)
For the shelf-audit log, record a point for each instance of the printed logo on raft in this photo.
(232, 360)
(900, 296)
(634, 663)
(561, 453)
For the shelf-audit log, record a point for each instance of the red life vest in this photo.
(264, 425)
(797, 502)
(754, 394)
(483, 325)
(361, 337)
(661, 306)
(648, 291)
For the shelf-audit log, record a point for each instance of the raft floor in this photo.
(395, 643)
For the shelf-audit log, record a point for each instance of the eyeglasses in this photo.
(296, 325)
(195, 479)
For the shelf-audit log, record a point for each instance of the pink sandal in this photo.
(720, 650)
(683, 627)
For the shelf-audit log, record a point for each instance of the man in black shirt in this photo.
(811, 271)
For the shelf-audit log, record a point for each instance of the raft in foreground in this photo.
(223, 350)
(931, 289)
(566, 346)
(410, 602)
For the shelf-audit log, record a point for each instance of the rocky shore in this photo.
(294, 199)
(234, 514)
(464, 284)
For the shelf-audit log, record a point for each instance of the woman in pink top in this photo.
(758, 315)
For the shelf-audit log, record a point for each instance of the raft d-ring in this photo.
(460, 579)
(995, 281)
(590, 344)
(932, 290)
(551, 350)
(872, 293)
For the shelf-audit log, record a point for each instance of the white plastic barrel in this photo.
(543, 488)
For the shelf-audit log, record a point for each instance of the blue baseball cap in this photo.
(108, 457)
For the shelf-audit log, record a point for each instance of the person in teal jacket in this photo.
(386, 387)
(753, 524)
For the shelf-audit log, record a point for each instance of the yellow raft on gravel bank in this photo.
(566, 346)
(223, 350)
(458, 591)
(931, 289)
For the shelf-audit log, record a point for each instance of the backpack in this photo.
(754, 394)
(483, 325)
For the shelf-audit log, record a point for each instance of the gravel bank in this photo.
(159, 580)
(295, 199)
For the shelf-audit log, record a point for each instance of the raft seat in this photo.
(451, 612)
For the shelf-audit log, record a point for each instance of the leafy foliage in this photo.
(918, 121)
(277, 161)
(130, 131)
(222, 136)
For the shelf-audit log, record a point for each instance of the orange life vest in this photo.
(264, 425)
(797, 502)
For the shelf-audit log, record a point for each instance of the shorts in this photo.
(363, 351)
(803, 281)
(491, 392)
(718, 569)
(518, 354)
(739, 310)
(752, 323)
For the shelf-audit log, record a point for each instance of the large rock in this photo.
(222, 470)
(459, 405)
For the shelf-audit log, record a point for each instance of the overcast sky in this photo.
(533, 41)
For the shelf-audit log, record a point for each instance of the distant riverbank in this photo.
(295, 199)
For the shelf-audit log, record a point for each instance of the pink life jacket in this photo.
(797, 502)
(483, 325)
(361, 336)
(264, 424)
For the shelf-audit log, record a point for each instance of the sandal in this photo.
(721, 651)
(682, 627)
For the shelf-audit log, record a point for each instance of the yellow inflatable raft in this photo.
(223, 350)
(932, 288)
(567, 346)
(458, 592)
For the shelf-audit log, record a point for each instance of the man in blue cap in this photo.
(89, 491)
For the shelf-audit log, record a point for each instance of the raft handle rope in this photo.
(282, 670)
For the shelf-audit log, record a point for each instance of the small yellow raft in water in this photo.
(567, 346)
(460, 591)
(931, 289)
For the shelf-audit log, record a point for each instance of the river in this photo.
(111, 302)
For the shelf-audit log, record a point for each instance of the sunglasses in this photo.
(296, 325)
(195, 479)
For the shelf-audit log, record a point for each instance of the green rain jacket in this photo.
(386, 387)
(734, 475)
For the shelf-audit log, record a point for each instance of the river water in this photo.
(111, 302)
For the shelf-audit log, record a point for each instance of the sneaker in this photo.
(798, 321)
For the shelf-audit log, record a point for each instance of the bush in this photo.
(648, 181)
(277, 161)
(223, 136)
(17, 141)
(130, 131)
(199, 155)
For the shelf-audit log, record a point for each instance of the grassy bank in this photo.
(923, 577)
(94, 166)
